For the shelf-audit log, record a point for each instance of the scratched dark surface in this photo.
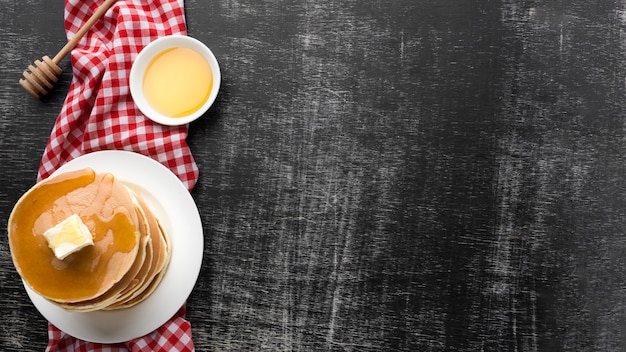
(382, 175)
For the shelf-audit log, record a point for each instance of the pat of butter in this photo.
(68, 236)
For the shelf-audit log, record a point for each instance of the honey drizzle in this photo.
(82, 273)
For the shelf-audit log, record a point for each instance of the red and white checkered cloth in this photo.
(99, 114)
(175, 335)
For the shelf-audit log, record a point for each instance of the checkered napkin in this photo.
(99, 114)
(175, 335)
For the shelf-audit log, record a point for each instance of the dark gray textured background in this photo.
(382, 175)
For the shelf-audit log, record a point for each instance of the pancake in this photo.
(155, 281)
(145, 274)
(109, 212)
(161, 253)
(112, 295)
(127, 261)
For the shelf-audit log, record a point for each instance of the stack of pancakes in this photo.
(129, 257)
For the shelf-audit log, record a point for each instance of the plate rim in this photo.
(183, 267)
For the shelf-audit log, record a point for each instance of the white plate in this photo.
(173, 205)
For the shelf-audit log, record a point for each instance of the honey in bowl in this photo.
(177, 82)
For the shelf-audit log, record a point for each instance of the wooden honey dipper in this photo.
(45, 73)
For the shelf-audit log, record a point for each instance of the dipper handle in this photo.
(81, 32)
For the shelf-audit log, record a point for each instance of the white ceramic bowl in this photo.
(144, 58)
